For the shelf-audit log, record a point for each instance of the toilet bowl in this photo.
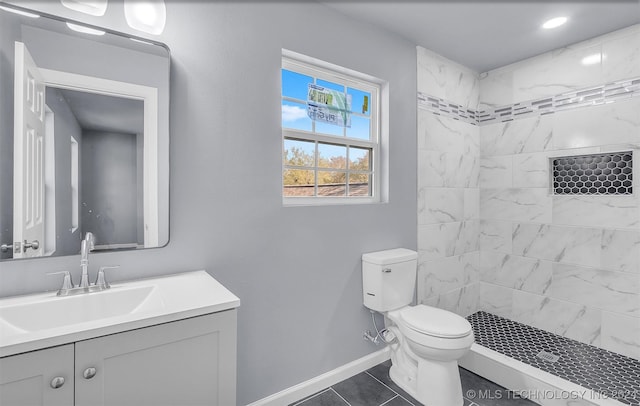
(426, 359)
(426, 342)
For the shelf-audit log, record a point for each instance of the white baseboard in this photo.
(313, 385)
(540, 386)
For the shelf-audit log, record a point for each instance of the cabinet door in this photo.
(42, 377)
(187, 363)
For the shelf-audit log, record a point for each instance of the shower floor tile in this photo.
(606, 372)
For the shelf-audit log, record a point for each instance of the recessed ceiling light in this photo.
(554, 22)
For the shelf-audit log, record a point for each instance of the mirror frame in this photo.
(155, 167)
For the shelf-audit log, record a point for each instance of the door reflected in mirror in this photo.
(84, 135)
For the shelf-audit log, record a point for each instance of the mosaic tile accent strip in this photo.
(594, 174)
(591, 96)
(606, 372)
(444, 108)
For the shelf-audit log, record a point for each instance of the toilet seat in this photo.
(435, 322)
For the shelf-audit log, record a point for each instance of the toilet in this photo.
(426, 342)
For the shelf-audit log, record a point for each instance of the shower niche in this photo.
(609, 173)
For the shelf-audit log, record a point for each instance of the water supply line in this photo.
(383, 335)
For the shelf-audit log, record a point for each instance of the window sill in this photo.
(327, 201)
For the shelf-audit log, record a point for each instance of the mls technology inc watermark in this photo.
(536, 394)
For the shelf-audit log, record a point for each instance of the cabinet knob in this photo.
(89, 373)
(57, 382)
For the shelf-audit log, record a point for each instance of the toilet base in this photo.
(434, 383)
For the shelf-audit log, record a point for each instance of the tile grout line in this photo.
(339, 395)
(407, 400)
(471, 402)
(382, 404)
(311, 397)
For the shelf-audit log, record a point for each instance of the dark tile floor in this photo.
(374, 388)
(602, 371)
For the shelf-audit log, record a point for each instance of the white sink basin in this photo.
(42, 320)
(62, 311)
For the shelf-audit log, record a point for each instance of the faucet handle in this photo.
(67, 283)
(101, 281)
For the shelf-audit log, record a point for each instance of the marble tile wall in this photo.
(563, 70)
(566, 264)
(448, 189)
(491, 234)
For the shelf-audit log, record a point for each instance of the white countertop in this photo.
(164, 299)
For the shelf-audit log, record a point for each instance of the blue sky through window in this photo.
(294, 115)
(295, 84)
(330, 85)
(357, 101)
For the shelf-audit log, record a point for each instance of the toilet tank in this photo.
(389, 278)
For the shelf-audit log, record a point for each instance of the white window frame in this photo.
(349, 78)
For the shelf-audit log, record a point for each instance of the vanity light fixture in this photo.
(85, 30)
(91, 7)
(146, 16)
(554, 23)
(20, 12)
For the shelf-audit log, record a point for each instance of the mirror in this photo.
(84, 137)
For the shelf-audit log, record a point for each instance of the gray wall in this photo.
(110, 192)
(295, 269)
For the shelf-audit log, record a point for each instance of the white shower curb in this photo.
(541, 387)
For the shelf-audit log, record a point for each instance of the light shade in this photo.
(91, 7)
(554, 22)
(146, 16)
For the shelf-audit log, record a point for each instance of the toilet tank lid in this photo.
(392, 256)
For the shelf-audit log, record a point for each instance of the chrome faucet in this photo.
(87, 245)
(68, 288)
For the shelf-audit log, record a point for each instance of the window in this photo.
(330, 132)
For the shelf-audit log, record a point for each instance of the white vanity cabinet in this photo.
(185, 362)
(190, 362)
(38, 378)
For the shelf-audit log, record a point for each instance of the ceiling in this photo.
(99, 112)
(485, 35)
